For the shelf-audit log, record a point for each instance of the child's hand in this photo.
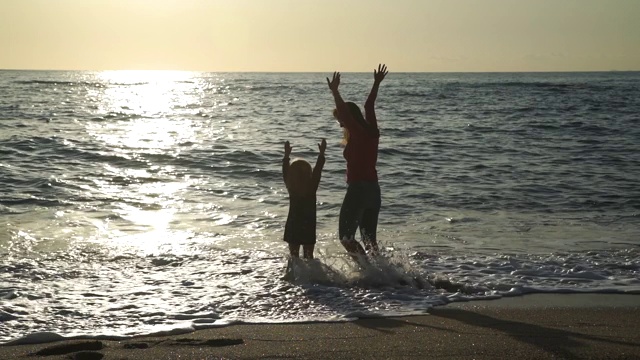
(322, 146)
(287, 149)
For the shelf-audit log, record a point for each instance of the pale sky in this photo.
(321, 35)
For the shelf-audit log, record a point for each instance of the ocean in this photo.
(139, 202)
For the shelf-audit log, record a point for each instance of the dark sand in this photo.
(550, 326)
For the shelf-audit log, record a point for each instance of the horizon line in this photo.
(344, 72)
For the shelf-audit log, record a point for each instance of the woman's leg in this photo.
(369, 222)
(368, 230)
(350, 214)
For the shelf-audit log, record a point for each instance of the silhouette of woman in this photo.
(361, 204)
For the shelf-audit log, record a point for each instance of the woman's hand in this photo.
(379, 75)
(335, 82)
(322, 146)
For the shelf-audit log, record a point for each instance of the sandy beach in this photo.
(540, 326)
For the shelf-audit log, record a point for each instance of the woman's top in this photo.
(361, 151)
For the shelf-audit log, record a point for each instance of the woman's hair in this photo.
(299, 176)
(345, 136)
(345, 132)
(354, 109)
(355, 112)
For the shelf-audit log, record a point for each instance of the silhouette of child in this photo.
(302, 183)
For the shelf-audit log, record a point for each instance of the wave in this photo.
(118, 115)
(51, 150)
(34, 201)
(551, 86)
(95, 84)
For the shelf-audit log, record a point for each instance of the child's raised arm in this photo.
(285, 161)
(317, 170)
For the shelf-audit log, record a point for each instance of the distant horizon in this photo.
(328, 72)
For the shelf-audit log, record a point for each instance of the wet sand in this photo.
(543, 326)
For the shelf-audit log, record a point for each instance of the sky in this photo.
(321, 35)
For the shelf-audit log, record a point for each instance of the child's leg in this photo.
(294, 250)
(308, 251)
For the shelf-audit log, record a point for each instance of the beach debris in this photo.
(209, 342)
(67, 348)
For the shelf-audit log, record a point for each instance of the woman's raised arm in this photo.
(369, 105)
(344, 116)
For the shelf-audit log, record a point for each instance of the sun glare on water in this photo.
(141, 102)
(142, 113)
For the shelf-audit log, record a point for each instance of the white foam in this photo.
(180, 293)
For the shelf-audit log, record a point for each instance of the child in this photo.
(302, 184)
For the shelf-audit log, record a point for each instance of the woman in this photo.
(361, 204)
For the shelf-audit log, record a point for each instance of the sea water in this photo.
(139, 202)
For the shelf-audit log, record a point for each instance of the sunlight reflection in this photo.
(159, 134)
(141, 107)
(147, 92)
(150, 117)
(139, 76)
(155, 219)
(153, 242)
(147, 212)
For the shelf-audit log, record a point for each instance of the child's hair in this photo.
(299, 176)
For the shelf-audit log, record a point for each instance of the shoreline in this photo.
(554, 300)
(528, 326)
